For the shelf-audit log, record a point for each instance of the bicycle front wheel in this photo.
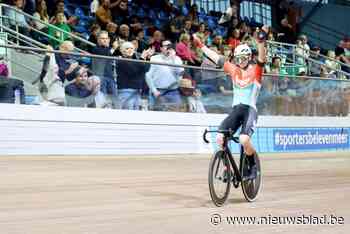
(251, 187)
(219, 178)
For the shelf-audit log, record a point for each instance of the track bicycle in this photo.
(223, 171)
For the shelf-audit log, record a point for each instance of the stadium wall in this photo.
(332, 17)
(38, 130)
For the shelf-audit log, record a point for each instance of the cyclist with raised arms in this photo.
(246, 76)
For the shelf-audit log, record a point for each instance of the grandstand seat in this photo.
(141, 13)
(82, 26)
(202, 18)
(158, 24)
(211, 22)
(220, 30)
(163, 15)
(184, 10)
(69, 10)
(152, 14)
(80, 14)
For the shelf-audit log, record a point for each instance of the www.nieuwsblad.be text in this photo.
(217, 219)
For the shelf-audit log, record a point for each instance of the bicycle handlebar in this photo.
(229, 132)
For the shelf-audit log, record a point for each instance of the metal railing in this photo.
(75, 54)
(291, 51)
(5, 9)
(309, 94)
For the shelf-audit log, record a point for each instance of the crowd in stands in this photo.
(159, 31)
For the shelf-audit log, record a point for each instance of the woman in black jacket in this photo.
(131, 76)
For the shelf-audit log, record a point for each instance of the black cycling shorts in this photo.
(241, 116)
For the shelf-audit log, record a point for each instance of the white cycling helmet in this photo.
(242, 50)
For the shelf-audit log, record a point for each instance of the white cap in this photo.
(242, 49)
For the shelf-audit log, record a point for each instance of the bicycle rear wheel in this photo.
(219, 178)
(251, 187)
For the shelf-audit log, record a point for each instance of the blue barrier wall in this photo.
(272, 140)
(40, 130)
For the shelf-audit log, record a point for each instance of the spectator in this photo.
(135, 24)
(59, 9)
(193, 15)
(8, 89)
(272, 50)
(66, 63)
(278, 87)
(271, 36)
(4, 71)
(287, 34)
(226, 17)
(142, 44)
(282, 10)
(163, 81)
(276, 68)
(302, 50)
(203, 37)
(58, 36)
(183, 50)
(172, 31)
(345, 44)
(304, 43)
(156, 40)
(294, 14)
(30, 6)
(104, 68)
(51, 85)
(230, 18)
(234, 39)
(191, 95)
(104, 14)
(245, 30)
(124, 34)
(17, 19)
(187, 28)
(201, 32)
(131, 76)
(315, 66)
(95, 30)
(178, 21)
(210, 80)
(112, 28)
(94, 5)
(331, 66)
(51, 10)
(41, 14)
(120, 12)
(83, 91)
(218, 43)
(340, 55)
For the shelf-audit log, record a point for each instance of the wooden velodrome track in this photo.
(166, 194)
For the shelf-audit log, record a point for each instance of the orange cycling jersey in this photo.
(246, 83)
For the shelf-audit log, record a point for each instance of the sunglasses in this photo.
(241, 59)
(167, 46)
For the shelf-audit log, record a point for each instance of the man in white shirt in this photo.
(163, 81)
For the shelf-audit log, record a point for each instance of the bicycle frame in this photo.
(228, 135)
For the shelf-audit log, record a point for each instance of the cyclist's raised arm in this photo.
(212, 55)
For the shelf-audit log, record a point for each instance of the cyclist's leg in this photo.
(248, 127)
(230, 122)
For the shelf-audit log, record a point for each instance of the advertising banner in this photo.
(310, 139)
